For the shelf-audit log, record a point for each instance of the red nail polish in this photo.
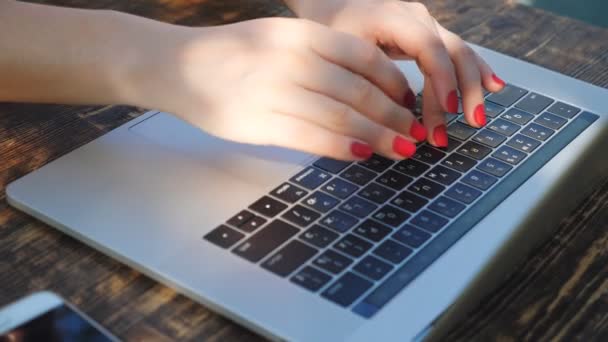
(409, 101)
(498, 80)
(417, 131)
(403, 147)
(361, 150)
(440, 136)
(480, 115)
(453, 102)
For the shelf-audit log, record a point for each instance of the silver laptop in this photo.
(302, 248)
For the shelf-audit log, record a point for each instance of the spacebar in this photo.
(425, 257)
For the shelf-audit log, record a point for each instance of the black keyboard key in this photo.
(289, 193)
(377, 163)
(551, 121)
(503, 127)
(489, 138)
(494, 167)
(493, 110)
(443, 175)
(394, 180)
(474, 150)
(411, 167)
(253, 224)
(523, 143)
(534, 103)
(347, 289)
(358, 175)
(463, 193)
(507, 96)
(240, 218)
(358, 207)
(452, 144)
(311, 178)
(509, 155)
(373, 267)
(310, 278)
(563, 110)
(376, 193)
(426, 188)
(332, 262)
(321, 201)
(339, 188)
(318, 236)
(411, 236)
(446, 207)
(331, 165)
(479, 180)
(223, 236)
(372, 230)
(459, 162)
(391, 216)
(339, 221)
(289, 258)
(517, 116)
(408, 201)
(429, 221)
(352, 246)
(460, 131)
(268, 206)
(301, 216)
(265, 240)
(538, 132)
(428, 154)
(392, 251)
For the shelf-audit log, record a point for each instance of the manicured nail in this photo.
(409, 101)
(417, 131)
(453, 102)
(498, 80)
(361, 150)
(480, 115)
(403, 147)
(440, 136)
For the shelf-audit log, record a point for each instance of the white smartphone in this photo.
(44, 316)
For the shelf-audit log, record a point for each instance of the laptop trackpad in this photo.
(260, 165)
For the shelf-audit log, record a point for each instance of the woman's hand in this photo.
(407, 30)
(284, 82)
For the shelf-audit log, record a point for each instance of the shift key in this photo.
(265, 240)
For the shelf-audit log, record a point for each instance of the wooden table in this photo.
(560, 293)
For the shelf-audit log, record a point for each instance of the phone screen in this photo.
(61, 324)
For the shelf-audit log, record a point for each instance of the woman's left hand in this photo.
(406, 30)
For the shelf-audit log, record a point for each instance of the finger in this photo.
(469, 78)
(489, 79)
(433, 117)
(365, 59)
(359, 93)
(426, 47)
(340, 118)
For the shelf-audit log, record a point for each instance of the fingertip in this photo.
(440, 136)
(403, 147)
(361, 150)
(418, 131)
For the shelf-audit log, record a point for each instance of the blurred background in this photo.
(592, 11)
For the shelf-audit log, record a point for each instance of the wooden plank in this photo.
(559, 293)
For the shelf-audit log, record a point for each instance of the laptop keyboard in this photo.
(358, 233)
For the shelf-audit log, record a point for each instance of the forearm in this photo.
(61, 55)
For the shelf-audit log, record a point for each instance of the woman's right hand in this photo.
(284, 82)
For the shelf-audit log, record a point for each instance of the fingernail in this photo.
(453, 102)
(361, 150)
(403, 147)
(409, 101)
(480, 115)
(440, 136)
(417, 131)
(498, 80)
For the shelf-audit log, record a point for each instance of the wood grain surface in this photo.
(560, 293)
